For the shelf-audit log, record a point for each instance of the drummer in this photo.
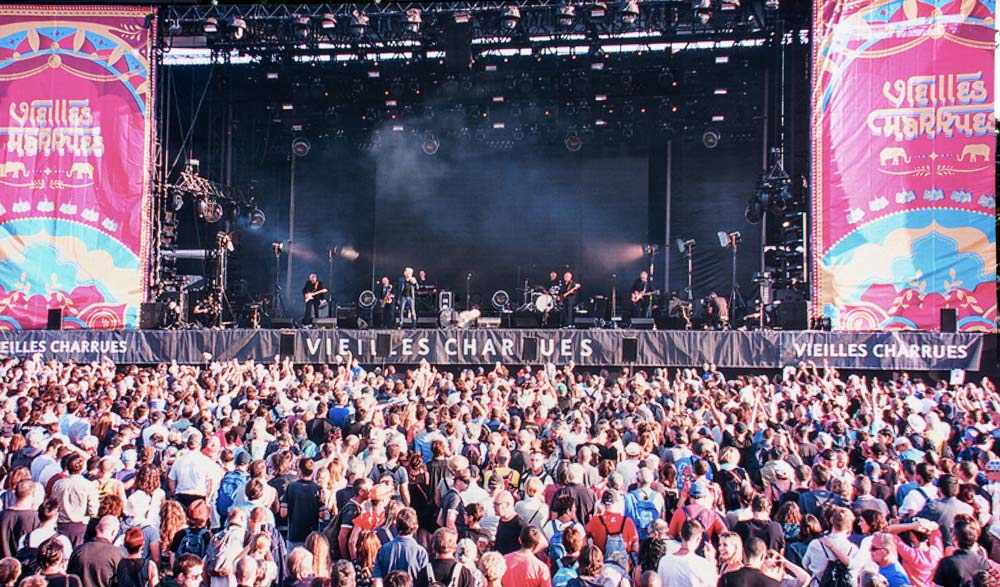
(550, 319)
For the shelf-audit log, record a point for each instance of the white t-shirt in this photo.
(687, 570)
(191, 473)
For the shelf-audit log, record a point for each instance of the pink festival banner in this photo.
(76, 88)
(904, 185)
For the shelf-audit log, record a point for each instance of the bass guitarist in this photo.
(313, 293)
(641, 297)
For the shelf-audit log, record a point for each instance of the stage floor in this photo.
(486, 346)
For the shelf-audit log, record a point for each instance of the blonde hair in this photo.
(533, 487)
(300, 563)
(492, 565)
(319, 546)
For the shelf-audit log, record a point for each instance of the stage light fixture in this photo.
(413, 20)
(210, 26)
(257, 217)
(573, 142)
(430, 144)
(178, 200)
(567, 14)
(174, 27)
(301, 147)
(462, 17)
(238, 28)
(711, 138)
(209, 210)
(511, 17)
(500, 299)
(359, 23)
(301, 27)
(683, 244)
(702, 10)
(727, 5)
(598, 10)
(727, 239)
(772, 4)
(630, 12)
(328, 21)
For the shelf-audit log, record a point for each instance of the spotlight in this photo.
(511, 17)
(328, 22)
(682, 245)
(630, 12)
(178, 201)
(300, 147)
(301, 27)
(730, 5)
(598, 10)
(413, 20)
(702, 10)
(209, 210)
(359, 23)
(573, 142)
(210, 26)
(500, 299)
(430, 144)
(192, 166)
(174, 27)
(257, 217)
(711, 138)
(567, 14)
(238, 28)
(726, 239)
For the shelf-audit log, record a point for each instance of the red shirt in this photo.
(600, 526)
(525, 570)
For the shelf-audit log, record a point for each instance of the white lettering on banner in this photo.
(489, 348)
(507, 347)
(546, 352)
(881, 351)
(469, 346)
(313, 345)
(451, 347)
(407, 347)
(565, 348)
(343, 347)
(21, 347)
(466, 346)
(585, 348)
(423, 347)
(831, 350)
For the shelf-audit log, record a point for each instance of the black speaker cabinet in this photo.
(949, 320)
(630, 350)
(792, 315)
(150, 315)
(287, 346)
(642, 323)
(383, 344)
(278, 322)
(529, 349)
(54, 319)
(325, 322)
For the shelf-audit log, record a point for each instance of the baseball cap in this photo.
(698, 490)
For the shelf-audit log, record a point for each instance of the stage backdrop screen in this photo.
(904, 179)
(75, 98)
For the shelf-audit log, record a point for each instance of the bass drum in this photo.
(544, 303)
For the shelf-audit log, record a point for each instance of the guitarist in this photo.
(312, 293)
(642, 293)
(567, 297)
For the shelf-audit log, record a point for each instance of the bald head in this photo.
(107, 528)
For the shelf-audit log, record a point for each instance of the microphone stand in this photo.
(689, 253)
(468, 289)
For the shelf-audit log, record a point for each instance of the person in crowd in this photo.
(524, 569)
(18, 520)
(685, 567)
(135, 570)
(750, 574)
(443, 565)
(402, 553)
(96, 562)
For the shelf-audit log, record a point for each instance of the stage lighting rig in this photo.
(711, 138)
(328, 21)
(210, 26)
(209, 210)
(629, 12)
(703, 10)
(359, 23)
(511, 17)
(566, 16)
(413, 20)
(430, 144)
(238, 28)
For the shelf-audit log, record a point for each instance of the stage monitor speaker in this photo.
(792, 315)
(529, 349)
(585, 322)
(54, 319)
(424, 322)
(642, 324)
(325, 322)
(150, 315)
(287, 345)
(489, 322)
(526, 320)
(347, 318)
(282, 323)
(630, 350)
(949, 320)
(383, 344)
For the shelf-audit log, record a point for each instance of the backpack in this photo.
(641, 510)
(332, 530)
(456, 574)
(732, 482)
(836, 573)
(24, 457)
(556, 548)
(507, 485)
(26, 556)
(193, 542)
(615, 542)
(223, 549)
(564, 574)
(230, 484)
(125, 578)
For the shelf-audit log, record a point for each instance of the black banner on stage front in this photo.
(847, 350)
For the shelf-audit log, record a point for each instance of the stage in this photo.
(921, 351)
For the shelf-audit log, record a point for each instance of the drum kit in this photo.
(538, 300)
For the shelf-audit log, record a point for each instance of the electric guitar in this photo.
(310, 295)
(572, 290)
(638, 295)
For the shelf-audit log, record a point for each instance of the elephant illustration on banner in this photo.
(894, 154)
(973, 151)
(82, 170)
(11, 168)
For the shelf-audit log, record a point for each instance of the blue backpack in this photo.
(564, 575)
(193, 542)
(556, 548)
(641, 510)
(230, 484)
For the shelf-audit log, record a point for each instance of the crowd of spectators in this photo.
(249, 474)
